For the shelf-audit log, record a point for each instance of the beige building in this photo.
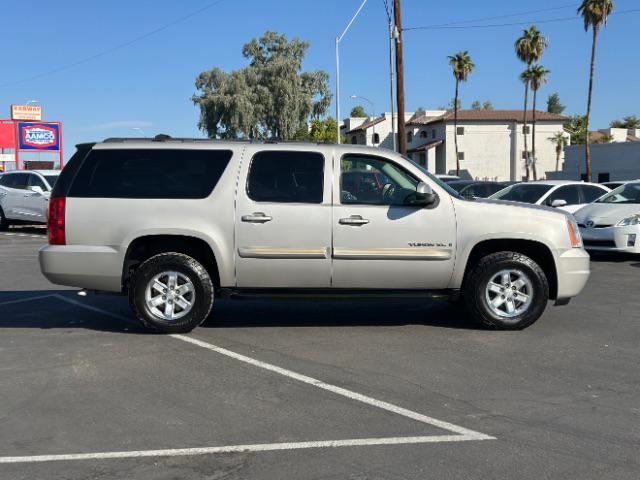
(490, 142)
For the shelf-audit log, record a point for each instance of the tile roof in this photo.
(489, 116)
(367, 124)
(425, 146)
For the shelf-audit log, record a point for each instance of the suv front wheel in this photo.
(506, 291)
(171, 292)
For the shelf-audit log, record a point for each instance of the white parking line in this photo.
(461, 434)
(28, 235)
(264, 447)
(28, 299)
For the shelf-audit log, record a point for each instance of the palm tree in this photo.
(529, 49)
(525, 77)
(595, 14)
(537, 78)
(462, 68)
(560, 141)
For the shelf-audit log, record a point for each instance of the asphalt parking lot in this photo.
(345, 390)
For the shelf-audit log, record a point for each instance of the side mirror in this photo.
(36, 189)
(559, 203)
(424, 194)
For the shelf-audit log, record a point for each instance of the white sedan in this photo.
(566, 195)
(612, 223)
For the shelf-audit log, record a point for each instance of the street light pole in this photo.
(338, 40)
(373, 115)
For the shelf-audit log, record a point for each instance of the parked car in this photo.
(24, 196)
(616, 184)
(447, 178)
(476, 189)
(183, 222)
(612, 223)
(566, 195)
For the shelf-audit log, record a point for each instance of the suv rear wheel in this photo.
(506, 291)
(171, 292)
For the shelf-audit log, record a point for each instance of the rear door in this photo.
(14, 189)
(35, 203)
(283, 219)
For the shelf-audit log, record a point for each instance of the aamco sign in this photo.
(39, 136)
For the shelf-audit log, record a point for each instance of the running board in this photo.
(331, 293)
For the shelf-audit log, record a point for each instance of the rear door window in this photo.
(150, 173)
(36, 181)
(569, 194)
(286, 177)
(591, 193)
(15, 180)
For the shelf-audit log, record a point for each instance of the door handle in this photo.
(256, 217)
(353, 220)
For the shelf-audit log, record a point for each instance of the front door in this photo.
(380, 239)
(283, 224)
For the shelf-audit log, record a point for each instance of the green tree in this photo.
(630, 121)
(537, 78)
(476, 105)
(595, 14)
(270, 98)
(462, 67)
(560, 140)
(487, 105)
(358, 112)
(577, 127)
(529, 49)
(554, 105)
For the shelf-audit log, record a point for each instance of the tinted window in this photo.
(15, 180)
(523, 192)
(61, 188)
(591, 193)
(570, 194)
(36, 181)
(629, 193)
(51, 179)
(288, 177)
(142, 173)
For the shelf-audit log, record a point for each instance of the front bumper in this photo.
(84, 266)
(612, 239)
(573, 272)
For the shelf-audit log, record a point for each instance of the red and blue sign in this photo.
(39, 136)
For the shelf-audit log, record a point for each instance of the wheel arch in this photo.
(536, 250)
(146, 246)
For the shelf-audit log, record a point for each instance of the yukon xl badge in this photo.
(424, 244)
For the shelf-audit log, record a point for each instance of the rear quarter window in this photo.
(150, 173)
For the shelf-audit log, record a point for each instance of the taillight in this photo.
(56, 221)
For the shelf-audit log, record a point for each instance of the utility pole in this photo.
(391, 76)
(402, 137)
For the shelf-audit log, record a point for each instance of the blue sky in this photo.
(148, 84)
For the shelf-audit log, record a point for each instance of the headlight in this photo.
(632, 220)
(574, 233)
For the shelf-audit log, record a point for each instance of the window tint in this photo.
(36, 181)
(288, 177)
(15, 180)
(629, 193)
(523, 192)
(569, 194)
(591, 193)
(61, 188)
(374, 181)
(147, 173)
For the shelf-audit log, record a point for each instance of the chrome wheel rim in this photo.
(509, 293)
(170, 295)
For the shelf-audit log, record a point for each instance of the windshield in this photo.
(436, 180)
(51, 179)
(522, 192)
(629, 193)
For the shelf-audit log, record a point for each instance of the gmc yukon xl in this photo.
(176, 223)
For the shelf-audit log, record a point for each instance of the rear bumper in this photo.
(83, 266)
(612, 239)
(573, 272)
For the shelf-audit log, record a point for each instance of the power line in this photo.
(519, 14)
(497, 25)
(115, 48)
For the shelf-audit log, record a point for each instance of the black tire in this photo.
(189, 268)
(477, 281)
(4, 222)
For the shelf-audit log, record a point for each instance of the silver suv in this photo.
(176, 223)
(24, 196)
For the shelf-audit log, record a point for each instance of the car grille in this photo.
(599, 243)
